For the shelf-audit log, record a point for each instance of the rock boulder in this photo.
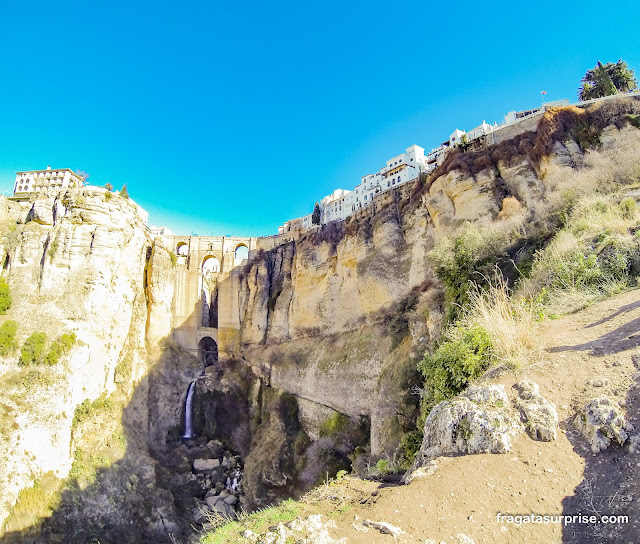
(539, 416)
(602, 421)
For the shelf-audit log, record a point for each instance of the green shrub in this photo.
(54, 353)
(333, 425)
(88, 409)
(629, 207)
(408, 448)
(469, 257)
(32, 351)
(8, 337)
(5, 296)
(67, 341)
(462, 357)
(609, 259)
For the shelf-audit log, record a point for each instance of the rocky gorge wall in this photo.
(338, 315)
(83, 263)
(322, 367)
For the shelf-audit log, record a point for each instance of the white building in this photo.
(398, 170)
(160, 231)
(334, 206)
(49, 182)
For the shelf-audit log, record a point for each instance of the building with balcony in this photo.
(48, 182)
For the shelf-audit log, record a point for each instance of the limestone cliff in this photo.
(337, 315)
(74, 264)
(331, 325)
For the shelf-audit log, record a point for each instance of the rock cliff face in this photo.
(83, 263)
(74, 264)
(332, 324)
(337, 315)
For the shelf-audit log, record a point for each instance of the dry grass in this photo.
(34, 503)
(511, 322)
(511, 207)
(604, 171)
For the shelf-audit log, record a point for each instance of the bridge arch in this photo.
(211, 264)
(182, 249)
(241, 252)
(208, 351)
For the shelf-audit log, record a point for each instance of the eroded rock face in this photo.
(461, 426)
(69, 276)
(539, 416)
(602, 422)
(42, 211)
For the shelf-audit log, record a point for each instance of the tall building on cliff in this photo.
(47, 182)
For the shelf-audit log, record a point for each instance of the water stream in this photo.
(189, 431)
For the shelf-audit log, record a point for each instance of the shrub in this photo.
(67, 341)
(54, 353)
(124, 193)
(7, 337)
(510, 322)
(335, 424)
(469, 257)
(5, 296)
(463, 356)
(88, 408)
(59, 347)
(33, 349)
(408, 448)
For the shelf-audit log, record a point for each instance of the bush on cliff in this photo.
(60, 347)
(33, 349)
(8, 337)
(463, 356)
(5, 296)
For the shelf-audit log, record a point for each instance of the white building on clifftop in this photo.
(47, 182)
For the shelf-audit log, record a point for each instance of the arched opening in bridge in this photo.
(209, 293)
(208, 351)
(182, 249)
(242, 252)
(210, 265)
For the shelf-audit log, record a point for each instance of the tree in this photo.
(82, 174)
(123, 192)
(108, 186)
(315, 216)
(607, 79)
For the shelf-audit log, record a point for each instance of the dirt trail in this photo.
(464, 494)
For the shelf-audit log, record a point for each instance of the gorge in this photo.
(298, 362)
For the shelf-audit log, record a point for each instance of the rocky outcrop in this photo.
(538, 415)
(70, 270)
(465, 426)
(602, 422)
(300, 303)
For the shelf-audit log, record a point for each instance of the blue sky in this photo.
(232, 117)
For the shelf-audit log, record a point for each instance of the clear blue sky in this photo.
(232, 117)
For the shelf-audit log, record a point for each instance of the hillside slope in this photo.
(463, 495)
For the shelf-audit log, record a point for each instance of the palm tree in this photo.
(607, 79)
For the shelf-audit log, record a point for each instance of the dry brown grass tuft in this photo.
(510, 208)
(511, 323)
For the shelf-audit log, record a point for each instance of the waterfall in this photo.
(189, 431)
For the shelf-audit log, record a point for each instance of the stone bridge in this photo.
(205, 308)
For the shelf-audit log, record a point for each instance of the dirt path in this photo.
(588, 355)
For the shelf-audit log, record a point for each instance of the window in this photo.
(365, 197)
